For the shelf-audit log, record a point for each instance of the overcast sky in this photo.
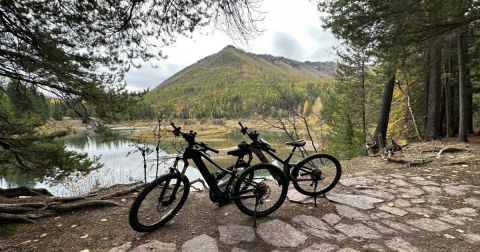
(291, 29)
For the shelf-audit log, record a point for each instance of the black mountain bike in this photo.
(313, 176)
(253, 191)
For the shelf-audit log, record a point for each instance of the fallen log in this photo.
(9, 218)
(71, 199)
(123, 192)
(448, 149)
(101, 189)
(20, 207)
(24, 191)
(59, 207)
(28, 218)
(410, 163)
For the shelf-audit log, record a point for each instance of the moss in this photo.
(9, 229)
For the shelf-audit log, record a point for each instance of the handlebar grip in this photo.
(212, 150)
(241, 125)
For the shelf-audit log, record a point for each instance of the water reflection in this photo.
(118, 166)
(122, 168)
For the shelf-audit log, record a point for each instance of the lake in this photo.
(122, 165)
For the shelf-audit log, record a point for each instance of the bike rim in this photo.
(158, 206)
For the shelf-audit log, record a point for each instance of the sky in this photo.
(290, 28)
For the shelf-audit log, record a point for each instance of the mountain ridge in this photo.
(236, 83)
(327, 68)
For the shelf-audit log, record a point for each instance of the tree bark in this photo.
(24, 191)
(382, 125)
(433, 128)
(364, 117)
(462, 95)
(448, 96)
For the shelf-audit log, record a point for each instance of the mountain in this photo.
(232, 81)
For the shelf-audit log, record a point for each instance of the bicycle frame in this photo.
(258, 151)
(196, 156)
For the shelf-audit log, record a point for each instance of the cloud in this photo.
(149, 76)
(287, 46)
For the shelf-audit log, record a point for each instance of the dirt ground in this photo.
(103, 228)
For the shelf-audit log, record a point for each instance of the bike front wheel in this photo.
(260, 190)
(158, 203)
(316, 174)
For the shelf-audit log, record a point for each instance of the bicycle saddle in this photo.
(296, 143)
(242, 150)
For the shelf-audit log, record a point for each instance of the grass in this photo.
(10, 229)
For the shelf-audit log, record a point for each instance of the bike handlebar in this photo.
(254, 136)
(190, 138)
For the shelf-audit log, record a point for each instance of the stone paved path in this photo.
(391, 212)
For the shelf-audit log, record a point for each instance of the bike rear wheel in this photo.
(158, 203)
(257, 193)
(316, 174)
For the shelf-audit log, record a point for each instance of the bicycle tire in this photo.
(149, 191)
(305, 165)
(240, 190)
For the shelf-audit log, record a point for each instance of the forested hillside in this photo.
(233, 83)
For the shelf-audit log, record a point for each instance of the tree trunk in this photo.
(364, 117)
(382, 125)
(468, 94)
(448, 96)
(434, 120)
(462, 95)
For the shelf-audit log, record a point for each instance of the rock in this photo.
(331, 218)
(381, 229)
(350, 213)
(399, 182)
(347, 250)
(357, 231)
(382, 215)
(278, 233)
(200, 243)
(376, 194)
(422, 181)
(308, 222)
(358, 201)
(418, 201)
(439, 208)
(473, 201)
(352, 181)
(122, 248)
(238, 250)
(155, 246)
(453, 192)
(472, 238)
(2, 247)
(295, 196)
(324, 247)
(466, 211)
(413, 191)
(419, 210)
(455, 220)
(400, 226)
(373, 247)
(231, 234)
(400, 245)
(428, 224)
(402, 203)
(432, 189)
(393, 210)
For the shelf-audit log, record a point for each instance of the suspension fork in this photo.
(177, 185)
